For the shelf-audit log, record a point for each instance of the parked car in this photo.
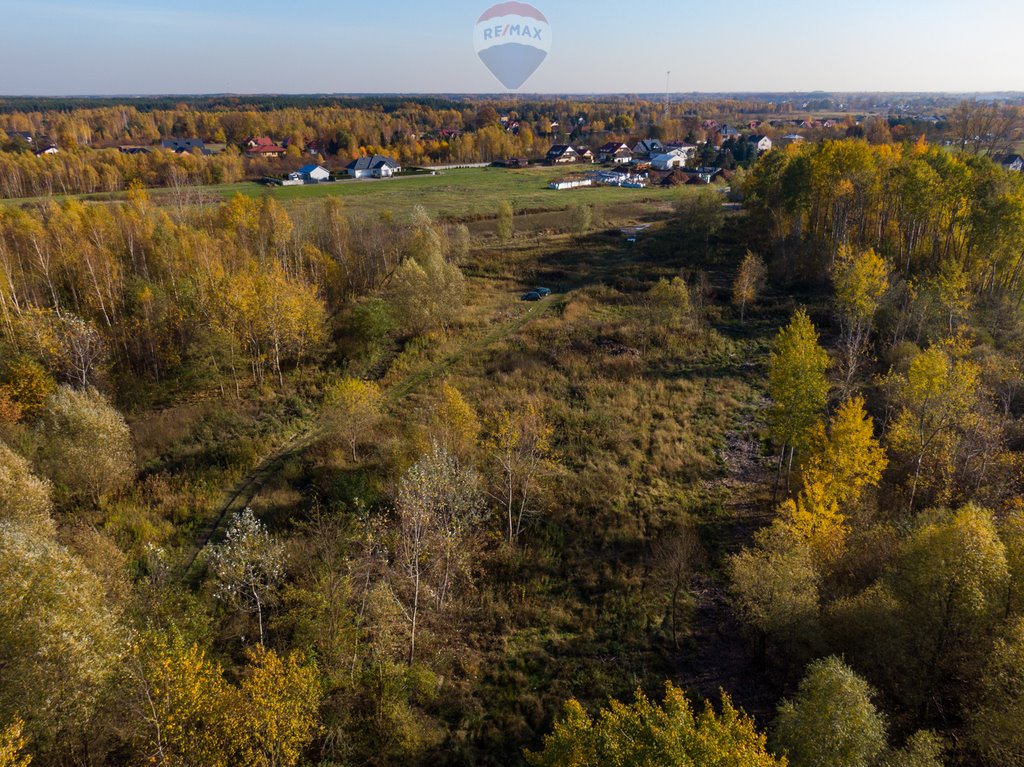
(533, 295)
(544, 292)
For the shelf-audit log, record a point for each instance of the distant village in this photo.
(710, 154)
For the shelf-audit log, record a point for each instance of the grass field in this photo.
(454, 194)
(462, 195)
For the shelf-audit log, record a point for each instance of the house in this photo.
(729, 132)
(670, 160)
(517, 162)
(711, 126)
(561, 154)
(132, 149)
(263, 146)
(1011, 162)
(792, 138)
(763, 143)
(23, 135)
(377, 166)
(615, 152)
(649, 147)
(682, 146)
(585, 154)
(182, 145)
(754, 124)
(47, 148)
(310, 174)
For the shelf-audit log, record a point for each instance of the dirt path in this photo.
(308, 430)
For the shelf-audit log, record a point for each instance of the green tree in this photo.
(998, 709)
(937, 400)
(87, 450)
(797, 384)
(776, 585)
(701, 214)
(24, 498)
(505, 223)
(646, 734)
(60, 639)
(427, 291)
(669, 305)
(950, 578)
(518, 449)
(831, 719)
(580, 218)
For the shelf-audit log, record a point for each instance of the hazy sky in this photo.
(64, 47)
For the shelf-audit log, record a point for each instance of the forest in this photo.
(303, 483)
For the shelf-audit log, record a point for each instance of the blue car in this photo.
(533, 295)
(542, 292)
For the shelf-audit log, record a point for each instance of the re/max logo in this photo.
(512, 30)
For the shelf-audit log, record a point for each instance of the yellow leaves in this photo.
(454, 423)
(749, 282)
(196, 717)
(847, 458)
(669, 303)
(861, 278)
(814, 519)
(12, 745)
(796, 380)
(276, 713)
(353, 409)
(645, 733)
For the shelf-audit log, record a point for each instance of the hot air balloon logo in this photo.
(512, 39)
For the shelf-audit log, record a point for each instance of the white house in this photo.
(670, 160)
(1012, 162)
(682, 146)
(615, 152)
(310, 174)
(763, 143)
(562, 154)
(378, 166)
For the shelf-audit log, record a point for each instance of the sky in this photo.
(120, 47)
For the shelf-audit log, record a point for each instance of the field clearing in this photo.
(462, 195)
(455, 195)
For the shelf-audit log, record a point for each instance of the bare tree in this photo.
(439, 504)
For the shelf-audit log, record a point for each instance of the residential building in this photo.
(263, 146)
(561, 154)
(310, 174)
(649, 147)
(181, 145)
(615, 152)
(377, 166)
(677, 158)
